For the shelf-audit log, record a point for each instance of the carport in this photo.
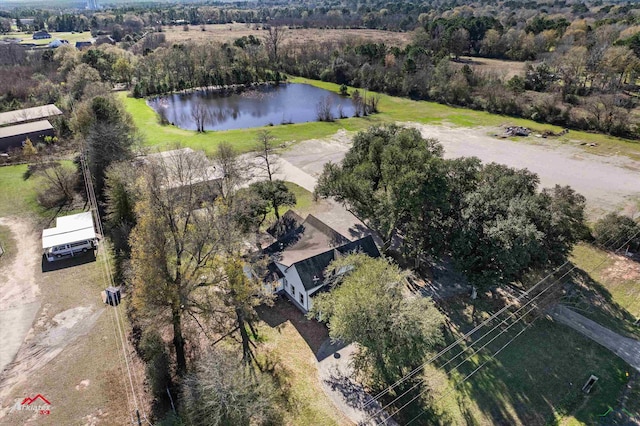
(69, 230)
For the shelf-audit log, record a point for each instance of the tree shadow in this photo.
(535, 378)
(283, 310)
(592, 299)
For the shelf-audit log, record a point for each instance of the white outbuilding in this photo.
(73, 234)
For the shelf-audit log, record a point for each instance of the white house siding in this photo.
(293, 280)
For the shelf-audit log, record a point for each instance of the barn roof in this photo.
(28, 114)
(25, 129)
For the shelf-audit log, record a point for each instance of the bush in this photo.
(616, 231)
(154, 354)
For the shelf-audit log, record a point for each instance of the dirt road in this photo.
(609, 183)
(18, 290)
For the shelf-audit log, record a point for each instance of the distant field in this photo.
(229, 32)
(28, 38)
(504, 68)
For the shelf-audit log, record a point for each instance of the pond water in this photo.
(256, 107)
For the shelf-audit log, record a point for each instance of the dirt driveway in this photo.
(18, 290)
(609, 183)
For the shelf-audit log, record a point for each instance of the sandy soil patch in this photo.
(623, 269)
(18, 290)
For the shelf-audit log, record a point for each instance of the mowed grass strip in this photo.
(8, 246)
(17, 195)
(392, 109)
(535, 380)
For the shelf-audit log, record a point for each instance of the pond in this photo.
(261, 106)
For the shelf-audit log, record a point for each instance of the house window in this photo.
(302, 299)
(293, 291)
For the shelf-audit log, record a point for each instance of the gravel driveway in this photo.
(609, 183)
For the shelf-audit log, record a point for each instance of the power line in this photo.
(468, 334)
(500, 350)
(110, 280)
(88, 189)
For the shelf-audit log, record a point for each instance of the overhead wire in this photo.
(109, 277)
(471, 332)
(495, 354)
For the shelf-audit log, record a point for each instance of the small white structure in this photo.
(73, 234)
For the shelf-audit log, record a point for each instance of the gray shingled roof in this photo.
(311, 270)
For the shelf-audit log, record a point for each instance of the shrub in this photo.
(614, 231)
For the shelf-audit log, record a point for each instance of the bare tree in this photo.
(201, 115)
(358, 103)
(323, 109)
(58, 183)
(265, 153)
(273, 41)
(231, 170)
(177, 245)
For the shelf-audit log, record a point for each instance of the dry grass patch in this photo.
(225, 33)
(500, 67)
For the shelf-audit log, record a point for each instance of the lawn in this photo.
(288, 344)
(536, 380)
(17, 195)
(392, 109)
(609, 294)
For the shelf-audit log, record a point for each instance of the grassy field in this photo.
(17, 195)
(28, 38)
(392, 109)
(536, 380)
(225, 33)
(609, 294)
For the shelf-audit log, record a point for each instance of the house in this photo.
(41, 35)
(105, 39)
(84, 44)
(15, 136)
(299, 257)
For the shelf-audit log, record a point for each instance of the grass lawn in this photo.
(288, 343)
(610, 295)
(18, 196)
(393, 109)
(536, 380)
